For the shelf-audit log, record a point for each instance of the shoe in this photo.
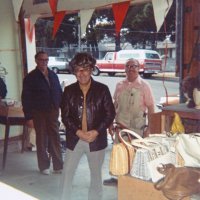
(110, 182)
(45, 171)
(58, 171)
(28, 149)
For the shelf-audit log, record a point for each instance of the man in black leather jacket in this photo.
(87, 111)
(41, 98)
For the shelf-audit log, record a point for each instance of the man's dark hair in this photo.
(82, 59)
(40, 52)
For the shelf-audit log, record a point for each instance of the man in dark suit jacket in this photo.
(41, 98)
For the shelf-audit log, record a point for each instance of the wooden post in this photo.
(191, 38)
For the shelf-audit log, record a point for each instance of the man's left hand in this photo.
(92, 135)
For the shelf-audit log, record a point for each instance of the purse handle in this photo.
(131, 143)
(136, 142)
(114, 130)
(196, 134)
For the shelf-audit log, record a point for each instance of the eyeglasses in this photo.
(132, 66)
(43, 60)
(83, 70)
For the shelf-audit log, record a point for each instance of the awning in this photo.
(59, 8)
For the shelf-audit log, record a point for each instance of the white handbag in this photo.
(151, 152)
(149, 158)
(188, 146)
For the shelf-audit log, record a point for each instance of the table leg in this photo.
(24, 135)
(163, 123)
(7, 129)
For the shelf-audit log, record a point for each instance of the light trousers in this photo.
(95, 161)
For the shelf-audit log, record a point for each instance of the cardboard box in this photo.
(130, 188)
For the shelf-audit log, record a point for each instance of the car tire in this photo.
(147, 75)
(95, 71)
(55, 70)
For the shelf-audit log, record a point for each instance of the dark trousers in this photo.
(47, 139)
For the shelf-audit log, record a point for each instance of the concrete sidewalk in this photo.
(169, 76)
(22, 173)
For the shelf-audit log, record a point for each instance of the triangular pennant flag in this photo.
(161, 8)
(29, 29)
(58, 17)
(119, 11)
(17, 6)
(53, 6)
(85, 16)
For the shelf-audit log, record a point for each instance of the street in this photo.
(157, 85)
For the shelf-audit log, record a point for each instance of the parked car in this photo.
(58, 64)
(114, 62)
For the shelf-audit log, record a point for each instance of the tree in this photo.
(141, 24)
(139, 29)
(66, 34)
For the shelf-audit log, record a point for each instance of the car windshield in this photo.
(152, 56)
(109, 56)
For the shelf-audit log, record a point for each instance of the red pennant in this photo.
(58, 17)
(119, 11)
(29, 29)
(53, 6)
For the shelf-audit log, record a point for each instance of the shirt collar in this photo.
(136, 83)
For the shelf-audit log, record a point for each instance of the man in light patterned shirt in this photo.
(133, 100)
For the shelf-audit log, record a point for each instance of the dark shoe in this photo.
(28, 149)
(110, 182)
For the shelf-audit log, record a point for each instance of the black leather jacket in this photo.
(100, 113)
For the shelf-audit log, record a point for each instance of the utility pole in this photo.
(79, 32)
(179, 42)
